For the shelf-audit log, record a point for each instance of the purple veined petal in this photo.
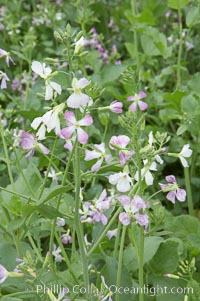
(70, 117)
(97, 216)
(162, 185)
(37, 67)
(186, 151)
(139, 202)
(56, 87)
(125, 200)
(116, 107)
(113, 179)
(30, 154)
(123, 140)
(97, 165)
(74, 101)
(181, 195)
(68, 145)
(48, 91)
(122, 158)
(141, 94)
(100, 147)
(170, 179)
(131, 98)
(67, 132)
(28, 136)
(86, 121)
(90, 155)
(171, 196)
(82, 83)
(82, 136)
(133, 107)
(123, 185)
(104, 219)
(103, 195)
(184, 162)
(124, 219)
(113, 140)
(142, 105)
(43, 148)
(108, 158)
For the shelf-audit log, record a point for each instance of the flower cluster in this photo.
(134, 209)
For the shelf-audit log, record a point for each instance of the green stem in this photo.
(179, 50)
(7, 156)
(79, 230)
(117, 240)
(189, 192)
(34, 247)
(103, 234)
(134, 12)
(141, 264)
(119, 270)
(66, 257)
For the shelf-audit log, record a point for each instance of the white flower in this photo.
(45, 72)
(122, 180)
(79, 44)
(145, 172)
(49, 121)
(186, 152)
(79, 99)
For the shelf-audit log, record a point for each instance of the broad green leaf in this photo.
(193, 16)
(166, 258)
(182, 129)
(54, 193)
(176, 4)
(189, 104)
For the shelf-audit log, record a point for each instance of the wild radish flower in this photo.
(138, 102)
(146, 172)
(29, 142)
(134, 209)
(94, 211)
(52, 174)
(4, 79)
(66, 238)
(75, 126)
(111, 233)
(120, 142)
(79, 44)
(122, 180)
(186, 152)
(173, 190)
(60, 222)
(78, 99)
(116, 107)
(6, 54)
(46, 73)
(48, 122)
(151, 142)
(98, 153)
(4, 274)
(56, 253)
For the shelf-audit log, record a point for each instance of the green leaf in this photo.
(166, 258)
(182, 129)
(189, 104)
(54, 193)
(177, 4)
(15, 224)
(193, 16)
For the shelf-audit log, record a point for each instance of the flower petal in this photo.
(67, 132)
(86, 121)
(142, 105)
(82, 136)
(70, 117)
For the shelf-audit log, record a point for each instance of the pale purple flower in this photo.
(134, 209)
(60, 222)
(173, 190)
(29, 142)
(6, 54)
(122, 180)
(4, 79)
(94, 211)
(56, 253)
(75, 126)
(46, 73)
(3, 274)
(116, 107)
(112, 233)
(186, 152)
(98, 153)
(78, 99)
(138, 102)
(120, 142)
(66, 238)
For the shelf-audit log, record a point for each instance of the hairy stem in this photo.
(189, 191)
